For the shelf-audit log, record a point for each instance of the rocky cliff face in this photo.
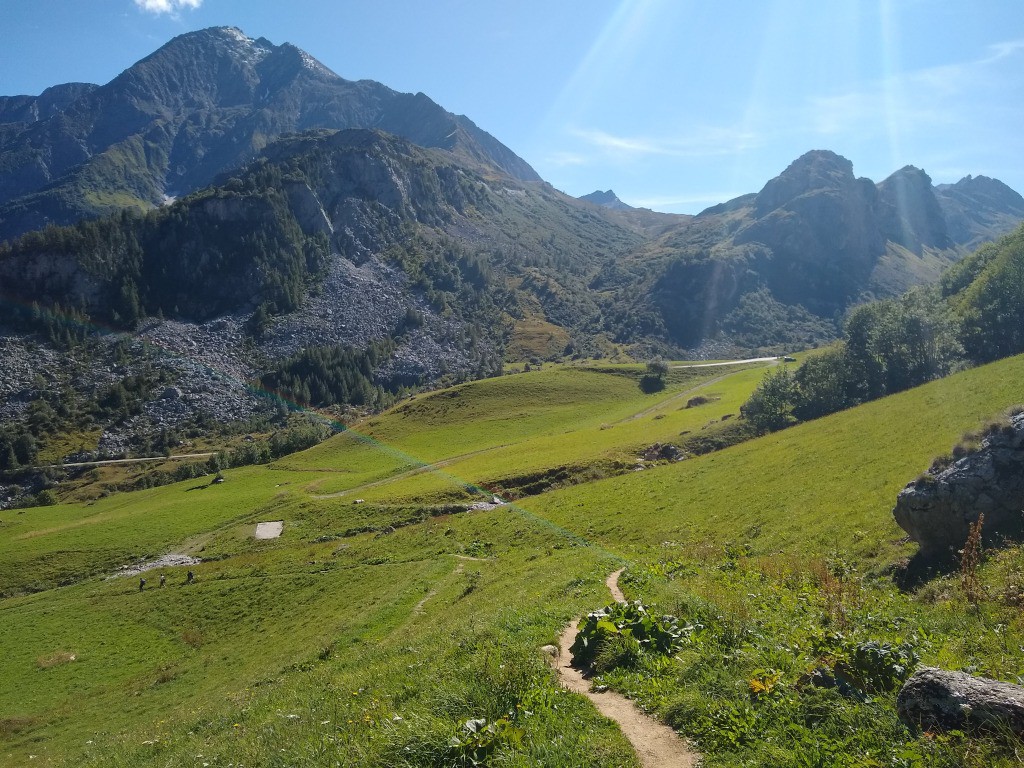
(818, 238)
(820, 224)
(938, 510)
(912, 217)
(206, 102)
(978, 208)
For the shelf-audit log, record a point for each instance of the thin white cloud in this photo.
(908, 101)
(563, 159)
(167, 6)
(1002, 50)
(700, 142)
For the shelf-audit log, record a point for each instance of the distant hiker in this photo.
(189, 578)
(142, 584)
(163, 579)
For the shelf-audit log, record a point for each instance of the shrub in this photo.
(45, 498)
(650, 384)
(478, 738)
(865, 667)
(625, 620)
(617, 651)
(657, 367)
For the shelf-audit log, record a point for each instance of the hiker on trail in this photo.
(188, 579)
(163, 579)
(142, 584)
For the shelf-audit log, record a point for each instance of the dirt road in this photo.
(131, 461)
(728, 362)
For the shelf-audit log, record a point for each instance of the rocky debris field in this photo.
(22, 362)
(213, 368)
(355, 305)
(368, 302)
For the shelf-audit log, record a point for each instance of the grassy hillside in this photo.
(374, 648)
(807, 488)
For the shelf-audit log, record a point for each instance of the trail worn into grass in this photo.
(143, 459)
(612, 582)
(419, 607)
(656, 745)
(417, 470)
(727, 362)
(686, 392)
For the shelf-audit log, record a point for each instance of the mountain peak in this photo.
(914, 218)
(819, 169)
(205, 102)
(987, 187)
(223, 39)
(607, 199)
(979, 208)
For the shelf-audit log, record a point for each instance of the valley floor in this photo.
(392, 623)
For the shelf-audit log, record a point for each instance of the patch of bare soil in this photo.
(612, 582)
(656, 745)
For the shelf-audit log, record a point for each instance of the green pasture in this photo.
(610, 421)
(371, 631)
(820, 486)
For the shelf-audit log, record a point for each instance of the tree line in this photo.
(974, 315)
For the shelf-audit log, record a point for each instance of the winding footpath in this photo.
(656, 745)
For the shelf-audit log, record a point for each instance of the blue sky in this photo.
(676, 105)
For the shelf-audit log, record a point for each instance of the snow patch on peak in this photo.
(244, 47)
(238, 35)
(313, 65)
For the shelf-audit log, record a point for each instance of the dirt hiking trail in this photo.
(656, 745)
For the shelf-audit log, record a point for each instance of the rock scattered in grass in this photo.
(165, 561)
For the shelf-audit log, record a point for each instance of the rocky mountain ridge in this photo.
(607, 199)
(816, 238)
(204, 103)
(415, 238)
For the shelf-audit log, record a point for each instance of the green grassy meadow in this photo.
(372, 630)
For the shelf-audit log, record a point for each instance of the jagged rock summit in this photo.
(607, 199)
(979, 208)
(206, 102)
(814, 241)
(912, 216)
(815, 171)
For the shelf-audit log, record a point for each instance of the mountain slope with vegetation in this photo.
(774, 554)
(204, 103)
(974, 315)
(340, 268)
(814, 242)
(348, 268)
